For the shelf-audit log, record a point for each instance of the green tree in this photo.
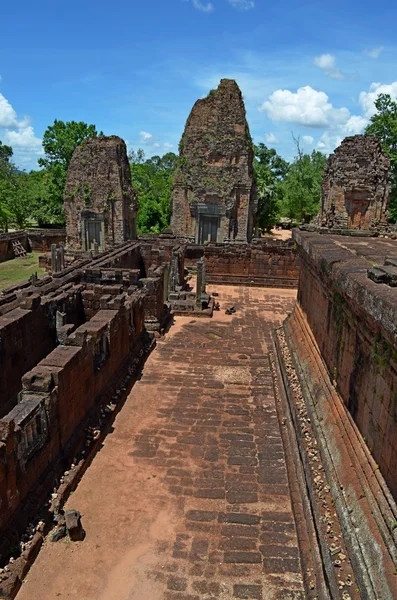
(6, 169)
(59, 142)
(152, 179)
(302, 186)
(270, 170)
(384, 125)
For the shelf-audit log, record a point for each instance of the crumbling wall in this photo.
(28, 334)
(354, 323)
(59, 395)
(215, 179)
(263, 263)
(6, 239)
(100, 203)
(356, 186)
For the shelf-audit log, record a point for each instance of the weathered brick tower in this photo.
(214, 194)
(356, 187)
(100, 203)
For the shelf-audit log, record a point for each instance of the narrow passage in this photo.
(188, 498)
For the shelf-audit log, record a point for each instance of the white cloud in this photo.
(242, 4)
(271, 138)
(207, 7)
(355, 124)
(367, 99)
(328, 142)
(308, 139)
(156, 145)
(145, 136)
(374, 52)
(306, 107)
(8, 116)
(168, 145)
(327, 63)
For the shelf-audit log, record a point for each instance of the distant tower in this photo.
(356, 187)
(214, 193)
(100, 203)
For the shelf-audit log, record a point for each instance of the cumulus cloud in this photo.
(327, 63)
(204, 7)
(242, 4)
(271, 138)
(367, 99)
(8, 116)
(156, 145)
(145, 136)
(306, 107)
(308, 139)
(23, 139)
(19, 134)
(328, 142)
(168, 146)
(374, 52)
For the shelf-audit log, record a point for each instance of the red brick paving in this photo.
(188, 499)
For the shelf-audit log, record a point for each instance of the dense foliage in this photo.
(152, 179)
(383, 124)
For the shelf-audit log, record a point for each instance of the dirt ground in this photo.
(188, 498)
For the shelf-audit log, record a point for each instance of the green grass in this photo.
(19, 269)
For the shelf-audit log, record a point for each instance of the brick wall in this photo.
(27, 336)
(6, 250)
(352, 321)
(62, 392)
(270, 264)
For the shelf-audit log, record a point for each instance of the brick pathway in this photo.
(188, 499)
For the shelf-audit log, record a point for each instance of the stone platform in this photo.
(189, 499)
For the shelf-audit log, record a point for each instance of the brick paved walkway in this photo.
(188, 499)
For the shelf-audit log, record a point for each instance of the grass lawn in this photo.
(19, 269)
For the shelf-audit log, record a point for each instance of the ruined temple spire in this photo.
(214, 194)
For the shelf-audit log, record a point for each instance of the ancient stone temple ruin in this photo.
(224, 414)
(100, 203)
(214, 194)
(356, 188)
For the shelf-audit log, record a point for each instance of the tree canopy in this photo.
(301, 188)
(152, 179)
(383, 124)
(270, 169)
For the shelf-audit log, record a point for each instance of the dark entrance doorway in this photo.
(208, 229)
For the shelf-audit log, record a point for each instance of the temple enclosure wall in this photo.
(354, 322)
(263, 263)
(36, 240)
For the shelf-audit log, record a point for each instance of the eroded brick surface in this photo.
(189, 496)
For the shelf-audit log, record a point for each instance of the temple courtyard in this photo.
(188, 498)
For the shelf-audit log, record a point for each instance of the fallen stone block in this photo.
(74, 526)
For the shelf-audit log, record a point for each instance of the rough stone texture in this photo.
(215, 175)
(356, 187)
(196, 503)
(99, 191)
(354, 322)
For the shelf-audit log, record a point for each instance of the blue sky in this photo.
(135, 68)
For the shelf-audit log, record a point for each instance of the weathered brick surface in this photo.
(98, 186)
(356, 185)
(354, 321)
(164, 503)
(215, 175)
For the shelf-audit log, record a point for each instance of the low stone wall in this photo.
(6, 239)
(36, 240)
(59, 395)
(261, 263)
(354, 322)
(40, 240)
(27, 334)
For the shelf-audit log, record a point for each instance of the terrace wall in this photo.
(354, 322)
